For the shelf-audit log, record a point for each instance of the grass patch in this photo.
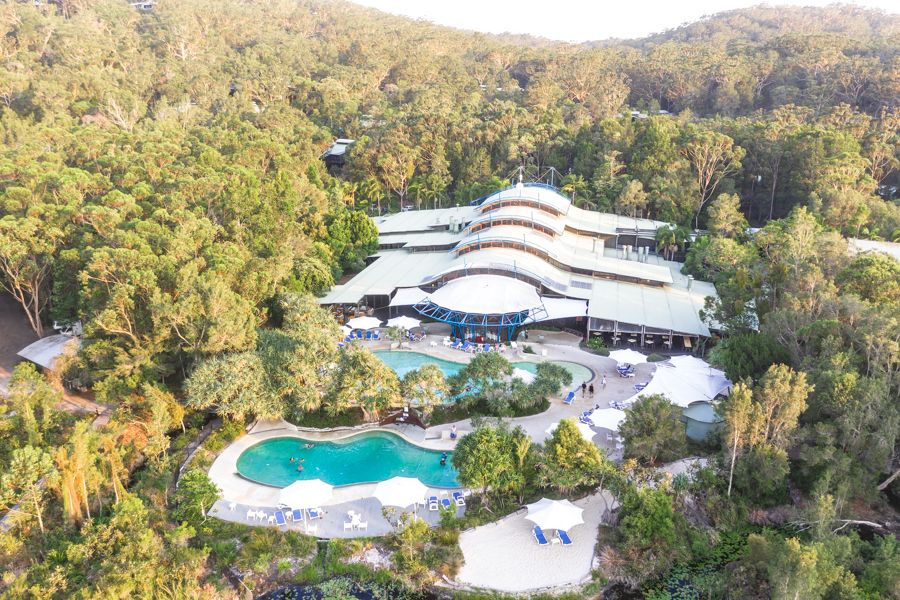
(656, 357)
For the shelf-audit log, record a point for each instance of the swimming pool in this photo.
(362, 458)
(404, 362)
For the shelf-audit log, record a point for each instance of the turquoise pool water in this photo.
(362, 458)
(404, 362)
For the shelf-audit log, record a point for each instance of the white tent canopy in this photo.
(486, 294)
(306, 493)
(525, 376)
(364, 323)
(404, 322)
(607, 418)
(562, 308)
(685, 380)
(400, 491)
(407, 296)
(585, 431)
(554, 514)
(628, 355)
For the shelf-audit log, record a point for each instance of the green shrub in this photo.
(228, 432)
(597, 346)
(528, 350)
(656, 357)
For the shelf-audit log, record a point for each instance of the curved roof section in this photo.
(486, 294)
(545, 196)
(523, 213)
(594, 262)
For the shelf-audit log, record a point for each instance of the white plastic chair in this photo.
(251, 514)
(348, 526)
(363, 525)
(261, 515)
(271, 519)
(232, 506)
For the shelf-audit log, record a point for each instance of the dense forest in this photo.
(161, 182)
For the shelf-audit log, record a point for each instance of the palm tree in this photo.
(665, 240)
(574, 184)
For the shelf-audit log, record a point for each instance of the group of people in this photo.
(590, 388)
(300, 461)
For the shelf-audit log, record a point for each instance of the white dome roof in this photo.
(487, 295)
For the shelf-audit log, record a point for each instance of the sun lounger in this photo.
(639, 386)
(563, 537)
(375, 335)
(487, 347)
(458, 498)
(570, 398)
(445, 503)
(466, 346)
(456, 345)
(539, 536)
(297, 514)
(368, 335)
(585, 420)
(279, 518)
(314, 513)
(432, 503)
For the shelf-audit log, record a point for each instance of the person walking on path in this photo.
(591, 390)
(583, 388)
(603, 383)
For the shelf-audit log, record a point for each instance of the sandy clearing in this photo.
(504, 556)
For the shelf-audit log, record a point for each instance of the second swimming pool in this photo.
(404, 362)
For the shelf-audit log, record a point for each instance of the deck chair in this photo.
(459, 499)
(297, 514)
(570, 398)
(432, 503)
(314, 513)
(279, 518)
(563, 537)
(539, 536)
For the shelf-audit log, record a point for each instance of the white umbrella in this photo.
(400, 491)
(586, 432)
(607, 418)
(525, 376)
(628, 356)
(554, 514)
(346, 330)
(404, 322)
(306, 493)
(364, 323)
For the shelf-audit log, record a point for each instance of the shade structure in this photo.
(486, 294)
(404, 322)
(607, 418)
(364, 323)
(628, 355)
(554, 514)
(400, 491)
(585, 430)
(306, 493)
(684, 380)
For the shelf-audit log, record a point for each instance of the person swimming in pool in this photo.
(308, 446)
(443, 459)
(299, 468)
(293, 459)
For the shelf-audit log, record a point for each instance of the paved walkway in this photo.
(504, 556)
(331, 525)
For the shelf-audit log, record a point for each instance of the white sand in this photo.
(504, 556)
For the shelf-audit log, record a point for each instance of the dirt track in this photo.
(15, 334)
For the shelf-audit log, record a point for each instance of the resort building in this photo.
(527, 255)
